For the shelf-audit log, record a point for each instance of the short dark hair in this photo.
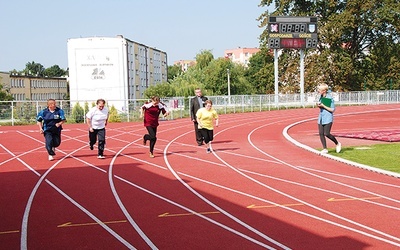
(100, 100)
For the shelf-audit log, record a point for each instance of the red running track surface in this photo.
(255, 190)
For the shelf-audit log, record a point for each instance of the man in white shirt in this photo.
(97, 119)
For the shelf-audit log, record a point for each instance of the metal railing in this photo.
(24, 112)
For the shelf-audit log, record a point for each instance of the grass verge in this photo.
(383, 156)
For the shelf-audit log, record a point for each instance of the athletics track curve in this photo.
(256, 190)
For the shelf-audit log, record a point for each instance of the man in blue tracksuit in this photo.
(50, 122)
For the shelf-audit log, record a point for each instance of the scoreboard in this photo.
(289, 32)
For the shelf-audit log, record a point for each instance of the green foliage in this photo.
(113, 115)
(358, 43)
(78, 114)
(54, 71)
(5, 94)
(174, 71)
(26, 113)
(162, 90)
(260, 73)
(32, 68)
(204, 58)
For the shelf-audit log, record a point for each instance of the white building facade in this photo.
(113, 68)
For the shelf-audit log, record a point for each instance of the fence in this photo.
(24, 112)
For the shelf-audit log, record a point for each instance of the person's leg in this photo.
(205, 135)
(199, 137)
(210, 135)
(101, 135)
(56, 138)
(49, 144)
(151, 136)
(92, 138)
(327, 133)
(321, 135)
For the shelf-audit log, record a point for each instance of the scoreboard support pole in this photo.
(276, 77)
(302, 77)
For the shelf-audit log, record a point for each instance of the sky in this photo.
(38, 30)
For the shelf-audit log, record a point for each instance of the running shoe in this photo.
(338, 147)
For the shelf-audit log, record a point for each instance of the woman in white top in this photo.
(97, 119)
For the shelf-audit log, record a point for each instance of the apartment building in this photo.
(240, 55)
(34, 88)
(114, 68)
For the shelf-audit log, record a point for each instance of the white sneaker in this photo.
(324, 151)
(51, 158)
(338, 147)
(101, 157)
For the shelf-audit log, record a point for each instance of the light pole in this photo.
(229, 86)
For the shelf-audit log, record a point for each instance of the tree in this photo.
(349, 32)
(174, 71)
(32, 68)
(204, 58)
(54, 71)
(5, 93)
(162, 90)
(260, 72)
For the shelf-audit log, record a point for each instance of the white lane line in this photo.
(195, 213)
(351, 163)
(211, 203)
(121, 205)
(23, 163)
(87, 212)
(316, 207)
(319, 189)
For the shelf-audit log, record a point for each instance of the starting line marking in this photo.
(70, 224)
(10, 232)
(254, 206)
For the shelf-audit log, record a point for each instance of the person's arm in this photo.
(62, 117)
(89, 123)
(40, 126)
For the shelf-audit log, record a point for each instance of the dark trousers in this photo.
(52, 140)
(199, 136)
(325, 130)
(100, 136)
(208, 135)
(151, 136)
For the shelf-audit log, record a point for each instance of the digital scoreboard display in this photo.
(288, 32)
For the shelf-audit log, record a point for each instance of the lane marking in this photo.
(70, 224)
(10, 232)
(185, 214)
(253, 206)
(353, 199)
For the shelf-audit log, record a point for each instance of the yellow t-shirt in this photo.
(206, 118)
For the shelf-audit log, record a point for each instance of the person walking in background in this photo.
(151, 112)
(205, 119)
(326, 107)
(196, 103)
(50, 121)
(97, 119)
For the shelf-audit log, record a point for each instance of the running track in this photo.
(260, 188)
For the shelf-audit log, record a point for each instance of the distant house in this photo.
(185, 64)
(241, 55)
